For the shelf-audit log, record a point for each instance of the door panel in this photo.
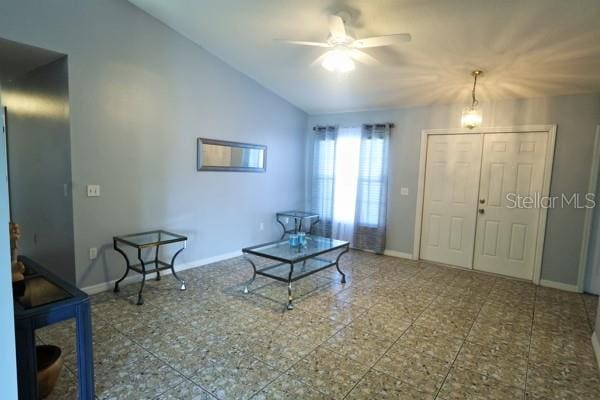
(506, 237)
(450, 198)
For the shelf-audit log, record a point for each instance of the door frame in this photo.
(550, 130)
(589, 213)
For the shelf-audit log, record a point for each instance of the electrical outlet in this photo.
(261, 226)
(404, 191)
(93, 190)
(93, 253)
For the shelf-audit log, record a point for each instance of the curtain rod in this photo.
(316, 127)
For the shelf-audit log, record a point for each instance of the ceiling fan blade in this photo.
(378, 41)
(364, 58)
(336, 27)
(303, 43)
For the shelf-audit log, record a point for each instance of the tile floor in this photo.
(396, 330)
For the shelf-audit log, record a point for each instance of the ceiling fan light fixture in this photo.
(338, 60)
(471, 116)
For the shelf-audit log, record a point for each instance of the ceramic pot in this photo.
(49, 365)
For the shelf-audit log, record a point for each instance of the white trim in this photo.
(549, 129)
(589, 212)
(559, 285)
(105, 286)
(399, 254)
(596, 346)
(541, 234)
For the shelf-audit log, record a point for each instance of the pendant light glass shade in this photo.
(471, 116)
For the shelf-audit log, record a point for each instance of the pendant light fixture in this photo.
(471, 116)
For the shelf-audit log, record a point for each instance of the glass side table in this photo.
(299, 217)
(145, 240)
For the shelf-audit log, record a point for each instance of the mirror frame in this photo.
(202, 141)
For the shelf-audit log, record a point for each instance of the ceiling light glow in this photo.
(338, 60)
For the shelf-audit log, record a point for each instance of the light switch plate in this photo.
(93, 253)
(93, 190)
(404, 191)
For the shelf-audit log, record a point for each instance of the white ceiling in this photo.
(526, 48)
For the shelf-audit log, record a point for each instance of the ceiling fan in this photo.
(345, 47)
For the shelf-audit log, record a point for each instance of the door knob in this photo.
(482, 201)
(481, 211)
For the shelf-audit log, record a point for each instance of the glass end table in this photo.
(144, 240)
(298, 217)
(296, 262)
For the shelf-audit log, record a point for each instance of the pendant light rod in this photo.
(475, 74)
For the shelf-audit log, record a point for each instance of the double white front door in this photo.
(476, 208)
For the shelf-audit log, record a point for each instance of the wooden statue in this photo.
(17, 267)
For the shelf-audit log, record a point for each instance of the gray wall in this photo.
(576, 117)
(8, 366)
(140, 95)
(39, 153)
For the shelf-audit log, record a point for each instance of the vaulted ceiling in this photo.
(526, 48)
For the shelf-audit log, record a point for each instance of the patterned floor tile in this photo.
(237, 378)
(287, 388)
(186, 391)
(418, 369)
(329, 372)
(377, 385)
(464, 384)
(398, 329)
(435, 343)
(359, 344)
(501, 361)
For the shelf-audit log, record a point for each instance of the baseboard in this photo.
(596, 345)
(399, 254)
(104, 286)
(559, 285)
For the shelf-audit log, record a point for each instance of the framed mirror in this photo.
(221, 155)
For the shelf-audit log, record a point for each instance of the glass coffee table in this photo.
(295, 262)
(144, 240)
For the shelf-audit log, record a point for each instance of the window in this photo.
(349, 177)
(346, 175)
(371, 181)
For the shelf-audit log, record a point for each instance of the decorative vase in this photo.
(49, 365)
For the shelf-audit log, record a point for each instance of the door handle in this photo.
(481, 211)
(482, 201)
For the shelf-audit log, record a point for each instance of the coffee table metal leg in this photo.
(290, 306)
(173, 266)
(156, 262)
(143, 265)
(116, 289)
(337, 264)
(253, 274)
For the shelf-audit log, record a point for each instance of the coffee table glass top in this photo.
(281, 250)
(297, 214)
(151, 238)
